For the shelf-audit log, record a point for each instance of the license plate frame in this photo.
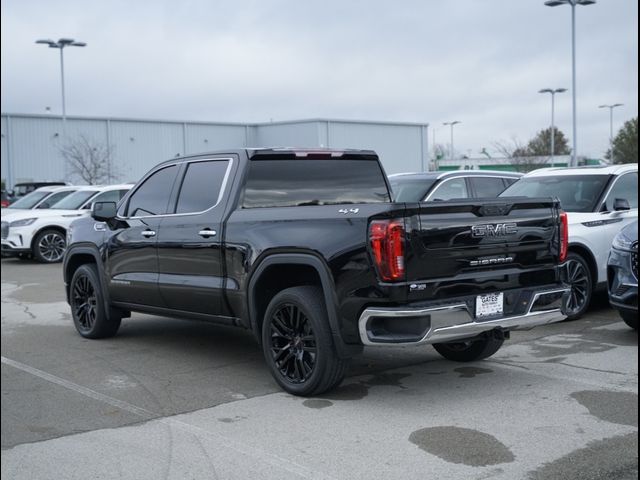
(489, 305)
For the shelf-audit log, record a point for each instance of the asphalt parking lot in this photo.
(175, 399)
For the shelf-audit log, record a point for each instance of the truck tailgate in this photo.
(467, 247)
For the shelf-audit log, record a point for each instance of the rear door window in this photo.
(301, 182)
(201, 186)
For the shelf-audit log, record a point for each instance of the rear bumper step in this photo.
(418, 326)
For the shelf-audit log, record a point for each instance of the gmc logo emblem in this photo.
(497, 230)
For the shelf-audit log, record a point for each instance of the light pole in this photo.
(573, 3)
(611, 107)
(451, 124)
(61, 44)
(553, 92)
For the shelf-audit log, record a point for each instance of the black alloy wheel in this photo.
(298, 344)
(579, 279)
(84, 303)
(293, 343)
(91, 316)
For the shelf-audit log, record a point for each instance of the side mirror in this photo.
(621, 204)
(103, 211)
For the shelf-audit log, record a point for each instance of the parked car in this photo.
(41, 234)
(5, 200)
(600, 201)
(307, 250)
(23, 188)
(41, 198)
(458, 184)
(622, 274)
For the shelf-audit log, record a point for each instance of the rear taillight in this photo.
(564, 236)
(387, 247)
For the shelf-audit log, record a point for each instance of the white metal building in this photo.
(30, 143)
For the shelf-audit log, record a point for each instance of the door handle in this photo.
(148, 233)
(206, 233)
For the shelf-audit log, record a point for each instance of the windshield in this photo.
(407, 189)
(577, 193)
(75, 200)
(30, 200)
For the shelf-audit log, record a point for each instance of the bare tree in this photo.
(89, 160)
(519, 155)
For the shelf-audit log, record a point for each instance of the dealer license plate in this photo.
(489, 305)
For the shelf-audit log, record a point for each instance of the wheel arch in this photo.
(586, 253)
(57, 228)
(274, 273)
(74, 258)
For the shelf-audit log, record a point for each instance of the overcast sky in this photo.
(478, 61)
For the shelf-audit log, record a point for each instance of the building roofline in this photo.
(218, 123)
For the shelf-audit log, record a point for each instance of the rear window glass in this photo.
(290, 183)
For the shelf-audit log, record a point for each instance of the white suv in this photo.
(600, 201)
(41, 198)
(42, 233)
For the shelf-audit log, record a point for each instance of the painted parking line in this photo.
(226, 443)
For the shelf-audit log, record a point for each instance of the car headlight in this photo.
(623, 242)
(22, 223)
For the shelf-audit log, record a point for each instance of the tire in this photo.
(298, 345)
(630, 318)
(469, 351)
(90, 317)
(581, 282)
(49, 246)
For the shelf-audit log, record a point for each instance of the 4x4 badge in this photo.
(348, 210)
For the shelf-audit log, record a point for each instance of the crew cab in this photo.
(307, 250)
(41, 234)
(599, 202)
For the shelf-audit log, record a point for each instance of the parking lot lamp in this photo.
(611, 107)
(553, 92)
(573, 4)
(452, 124)
(60, 45)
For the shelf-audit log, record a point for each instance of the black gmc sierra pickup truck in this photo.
(307, 250)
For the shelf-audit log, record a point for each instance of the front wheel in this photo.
(49, 246)
(469, 351)
(90, 317)
(298, 345)
(579, 279)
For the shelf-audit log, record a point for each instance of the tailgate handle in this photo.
(495, 210)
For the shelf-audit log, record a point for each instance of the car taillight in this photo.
(564, 236)
(387, 247)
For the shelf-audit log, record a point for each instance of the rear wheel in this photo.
(579, 278)
(90, 317)
(469, 351)
(297, 343)
(49, 246)
(630, 318)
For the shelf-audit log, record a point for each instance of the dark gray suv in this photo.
(622, 274)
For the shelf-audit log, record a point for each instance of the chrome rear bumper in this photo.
(455, 322)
